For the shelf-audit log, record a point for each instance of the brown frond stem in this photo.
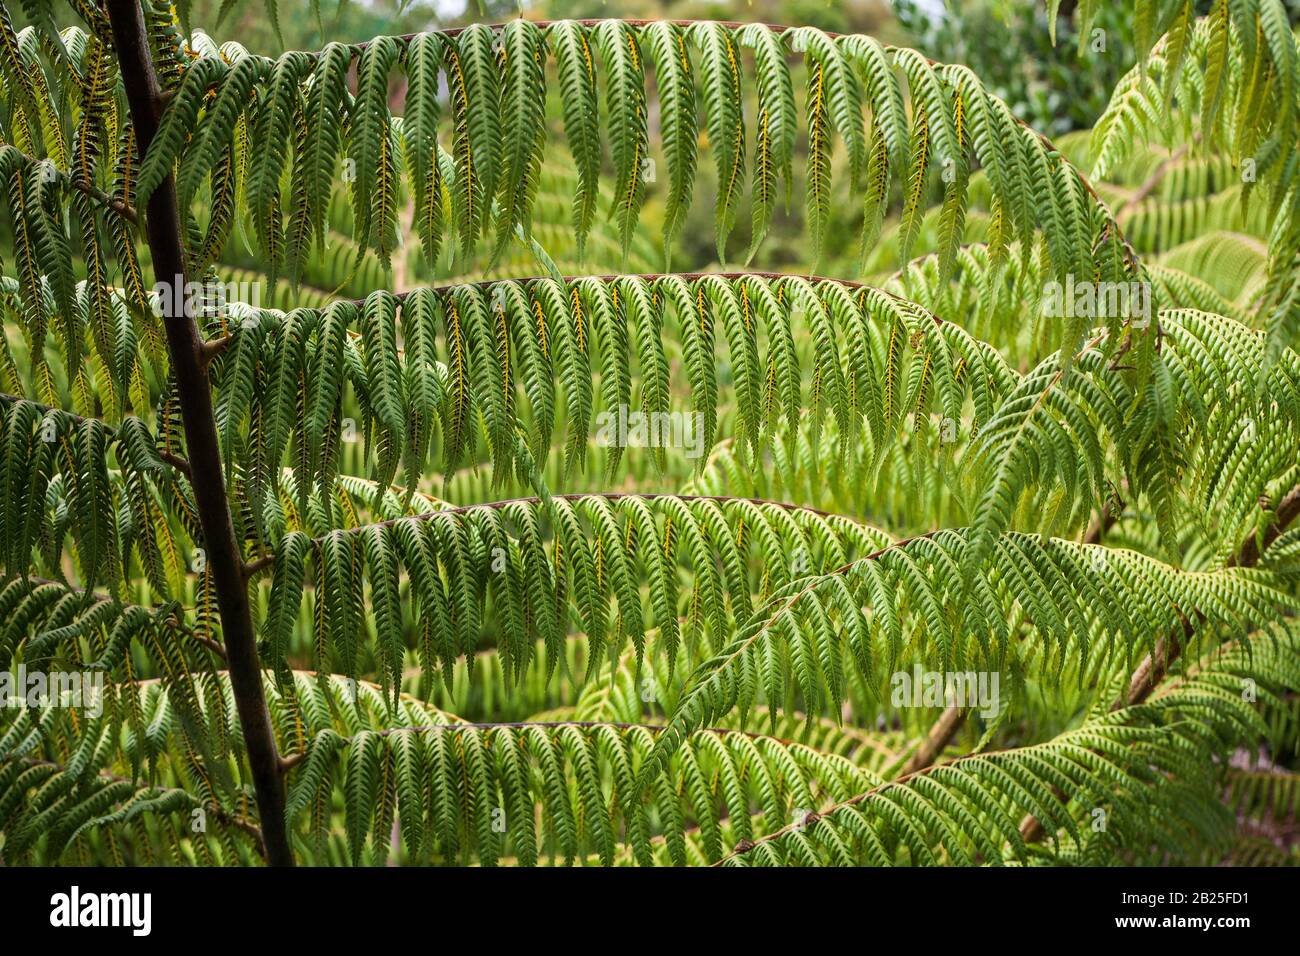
(287, 763)
(953, 717)
(218, 344)
(222, 815)
(176, 461)
(1155, 665)
(261, 563)
(114, 203)
(172, 622)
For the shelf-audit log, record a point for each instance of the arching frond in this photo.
(495, 104)
(813, 631)
(1154, 792)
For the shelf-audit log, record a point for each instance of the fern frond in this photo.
(811, 631)
(1155, 793)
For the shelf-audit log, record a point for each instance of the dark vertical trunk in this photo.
(185, 347)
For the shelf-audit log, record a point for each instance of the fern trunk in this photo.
(189, 368)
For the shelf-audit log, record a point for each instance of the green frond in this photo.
(998, 542)
(1135, 770)
(812, 631)
(497, 102)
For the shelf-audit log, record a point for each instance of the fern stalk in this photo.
(1151, 672)
(189, 367)
(953, 717)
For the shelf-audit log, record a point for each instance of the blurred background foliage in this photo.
(1009, 46)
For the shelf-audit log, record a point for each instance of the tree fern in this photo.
(499, 547)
